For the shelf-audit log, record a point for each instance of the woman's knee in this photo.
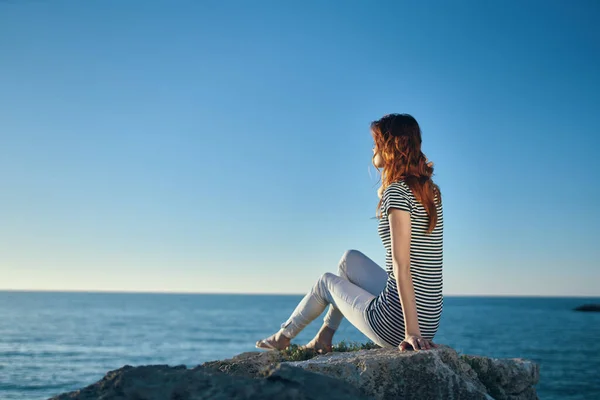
(323, 283)
(350, 257)
(326, 277)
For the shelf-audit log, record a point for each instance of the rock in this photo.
(311, 385)
(250, 364)
(588, 307)
(391, 374)
(161, 382)
(506, 379)
(387, 373)
(368, 374)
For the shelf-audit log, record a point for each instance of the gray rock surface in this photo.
(250, 365)
(369, 374)
(161, 382)
(391, 374)
(387, 373)
(506, 378)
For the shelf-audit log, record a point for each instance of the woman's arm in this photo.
(400, 229)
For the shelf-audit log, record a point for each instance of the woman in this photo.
(401, 305)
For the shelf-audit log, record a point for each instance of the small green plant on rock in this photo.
(354, 346)
(299, 353)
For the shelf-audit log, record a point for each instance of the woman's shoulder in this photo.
(397, 194)
(398, 188)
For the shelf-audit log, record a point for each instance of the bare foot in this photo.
(322, 341)
(319, 346)
(276, 341)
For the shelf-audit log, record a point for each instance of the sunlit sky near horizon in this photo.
(225, 147)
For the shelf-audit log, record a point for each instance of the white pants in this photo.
(348, 295)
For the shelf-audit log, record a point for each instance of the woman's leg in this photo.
(361, 271)
(348, 298)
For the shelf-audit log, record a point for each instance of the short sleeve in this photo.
(396, 196)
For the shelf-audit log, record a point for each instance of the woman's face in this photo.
(377, 159)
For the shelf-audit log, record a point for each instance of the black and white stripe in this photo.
(426, 259)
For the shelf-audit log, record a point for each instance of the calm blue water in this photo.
(56, 342)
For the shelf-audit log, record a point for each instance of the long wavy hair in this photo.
(398, 140)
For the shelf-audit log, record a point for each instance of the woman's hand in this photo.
(414, 342)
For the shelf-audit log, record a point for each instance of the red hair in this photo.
(398, 140)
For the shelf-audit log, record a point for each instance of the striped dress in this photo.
(385, 311)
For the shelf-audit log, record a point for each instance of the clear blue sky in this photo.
(224, 146)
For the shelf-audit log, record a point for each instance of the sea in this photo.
(53, 342)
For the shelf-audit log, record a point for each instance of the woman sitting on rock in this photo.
(401, 305)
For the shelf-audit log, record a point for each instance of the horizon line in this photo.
(267, 293)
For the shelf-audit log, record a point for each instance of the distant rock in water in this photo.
(588, 307)
(368, 374)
